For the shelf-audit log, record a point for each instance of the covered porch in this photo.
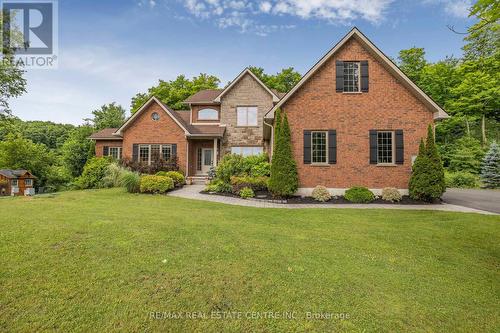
(203, 153)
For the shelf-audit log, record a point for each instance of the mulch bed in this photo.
(266, 196)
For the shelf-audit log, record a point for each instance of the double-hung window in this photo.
(246, 116)
(385, 147)
(115, 152)
(352, 82)
(319, 147)
(148, 153)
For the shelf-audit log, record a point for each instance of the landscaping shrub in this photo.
(93, 173)
(246, 193)
(391, 194)
(284, 179)
(112, 177)
(219, 186)
(131, 181)
(427, 178)
(261, 169)
(461, 179)
(230, 165)
(176, 176)
(490, 171)
(255, 183)
(359, 194)
(156, 184)
(157, 164)
(321, 193)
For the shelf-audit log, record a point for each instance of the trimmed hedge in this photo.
(156, 184)
(391, 194)
(176, 176)
(246, 193)
(321, 194)
(461, 179)
(255, 183)
(359, 194)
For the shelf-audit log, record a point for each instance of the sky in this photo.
(109, 50)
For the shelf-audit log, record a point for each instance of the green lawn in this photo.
(105, 260)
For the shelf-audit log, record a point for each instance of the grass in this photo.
(104, 260)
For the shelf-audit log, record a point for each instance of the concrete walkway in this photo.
(193, 192)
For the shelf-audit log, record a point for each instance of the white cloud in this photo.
(457, 8)
(243, 14)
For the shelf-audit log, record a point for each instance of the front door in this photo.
(207, 160)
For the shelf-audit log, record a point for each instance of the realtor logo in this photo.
(29, 32)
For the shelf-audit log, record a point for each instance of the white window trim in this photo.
(326, 147)
(14, 183)
(393, 148)
(359, 78)
(149, 151)
(208, 109)
(119, 152)
(247, 107)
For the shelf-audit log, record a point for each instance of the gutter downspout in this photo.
(272, 140)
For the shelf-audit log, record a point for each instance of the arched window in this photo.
(208, 114)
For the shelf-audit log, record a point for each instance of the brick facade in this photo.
(387, 106)
(196, 108)
(144, 130)
(100, 144)
(246, 92)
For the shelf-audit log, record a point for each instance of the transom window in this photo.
(208, 114)
(115, 152)
(28, 182)
(246, 116)
(148, 153)
(319, 147)
(351, 76)
(385, 147)
(246, 151)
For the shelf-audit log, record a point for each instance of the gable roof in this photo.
(439, 113)
(203, 96)
(276, 98)
(14, 174)
(175, 117)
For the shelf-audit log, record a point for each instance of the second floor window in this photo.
(208, 114)
(246, 116)
(351, 76)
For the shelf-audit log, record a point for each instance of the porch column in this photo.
(215, 152)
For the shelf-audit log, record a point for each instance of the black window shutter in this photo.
(364, 76)
(332, 146)
(174, 149)
(105, 151)
(400, 149)
(135, 152)
(307, 147)
(373, 147)
(339, 76)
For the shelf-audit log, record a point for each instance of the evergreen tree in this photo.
(284, 179)
(490, 171)
(427, 178)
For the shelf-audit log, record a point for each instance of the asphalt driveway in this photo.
(488, 200)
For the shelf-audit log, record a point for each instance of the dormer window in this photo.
(208, 114)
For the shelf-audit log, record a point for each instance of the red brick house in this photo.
(355, 119)
(16, 182)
